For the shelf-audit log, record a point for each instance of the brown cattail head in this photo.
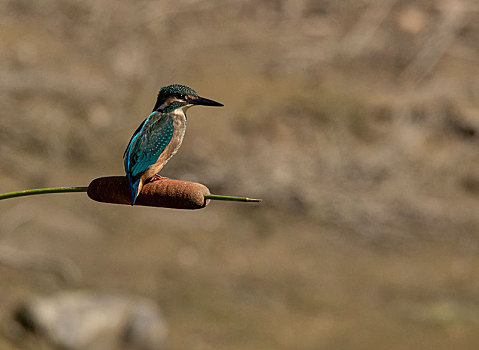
(163, 192)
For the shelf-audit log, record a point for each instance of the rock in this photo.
(88, 320)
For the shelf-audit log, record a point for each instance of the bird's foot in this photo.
(157, 177)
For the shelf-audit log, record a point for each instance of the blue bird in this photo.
(159, 136)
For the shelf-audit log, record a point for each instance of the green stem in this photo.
(41, 191)
(84, 189)
(230, 198)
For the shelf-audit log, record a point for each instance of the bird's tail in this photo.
(135, 190)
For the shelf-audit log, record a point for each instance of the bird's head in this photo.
(176, 96)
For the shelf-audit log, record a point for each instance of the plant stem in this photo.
(42, 191)
(230, 198)
(84, 189)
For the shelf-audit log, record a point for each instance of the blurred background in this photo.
(356, 121)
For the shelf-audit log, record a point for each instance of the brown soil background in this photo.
(356, 122)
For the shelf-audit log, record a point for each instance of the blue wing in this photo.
(146, 145)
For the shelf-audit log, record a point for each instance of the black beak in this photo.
(204, 102)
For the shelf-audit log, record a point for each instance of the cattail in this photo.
(164, 192)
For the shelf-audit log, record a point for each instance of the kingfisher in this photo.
(160, 135)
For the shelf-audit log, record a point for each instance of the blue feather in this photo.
(134, 191)
(137, 132)
(145, 147)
